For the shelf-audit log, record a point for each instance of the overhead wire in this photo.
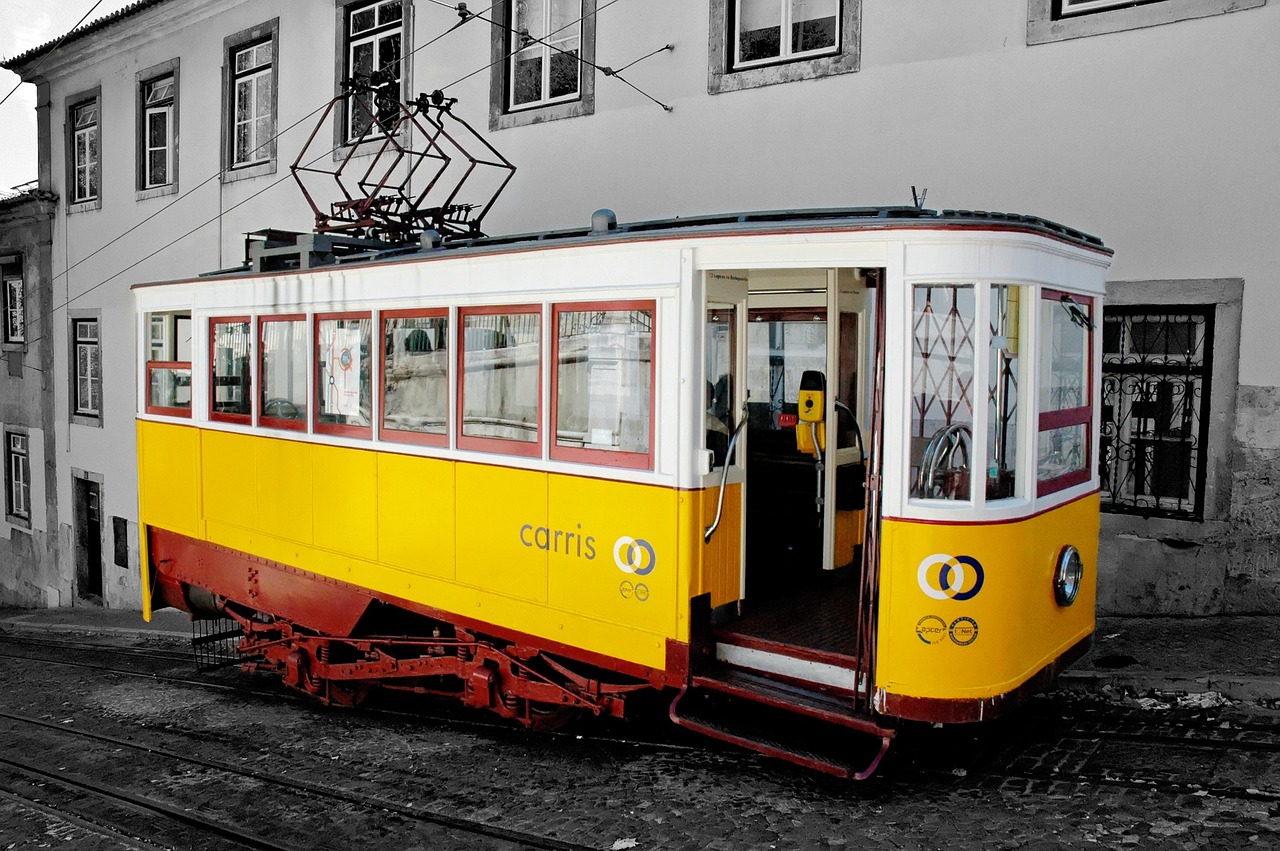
(64, 305)
(50, 51)
(604, 69)
(464, 18)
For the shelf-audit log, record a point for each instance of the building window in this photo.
(768, 31)
(604, 384)
(252, 124)
(374, 37)
(250, 101)
(545, 44)
(415, 376)
(756, 43)
(1057, 20)
(14, 300)
(17, 467)
(1156, 369)
(543, 56)
(157, 133)
(84, 124)
(88, 369)
(500, 387)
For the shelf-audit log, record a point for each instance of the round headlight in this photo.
(1066, 579)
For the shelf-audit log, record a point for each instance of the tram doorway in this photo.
(803, 474)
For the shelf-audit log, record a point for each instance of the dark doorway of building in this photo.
(88, 540)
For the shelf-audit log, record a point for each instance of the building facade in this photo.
(30, 543)
(167, 132)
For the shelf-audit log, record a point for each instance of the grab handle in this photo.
(724, 477)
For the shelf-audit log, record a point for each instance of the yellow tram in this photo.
(840, 464)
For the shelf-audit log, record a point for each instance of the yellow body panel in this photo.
(415, 514)
(590, 563)
(720, 565)
(933, 642)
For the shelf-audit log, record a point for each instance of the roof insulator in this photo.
(604, 220)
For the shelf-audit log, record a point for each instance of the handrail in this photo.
(724, 477)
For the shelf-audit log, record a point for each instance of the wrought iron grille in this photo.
(1156, 367)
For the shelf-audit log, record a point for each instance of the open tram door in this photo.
(790, 356)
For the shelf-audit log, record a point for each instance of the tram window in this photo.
(285, 352)
(1063, 453)
(942, 358)
(781, 346)
(501, 379)
(169, 388)
(343, 375)
(1004, 377)
(415, 376)
(721, 325)
(169, 363)
(604, 383)
(230, 381)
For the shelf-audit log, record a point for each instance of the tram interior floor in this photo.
(819, 617)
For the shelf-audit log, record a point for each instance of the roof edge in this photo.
(16, 63)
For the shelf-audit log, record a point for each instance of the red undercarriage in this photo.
(335, 640)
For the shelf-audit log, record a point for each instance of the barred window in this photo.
(1156, 368)
(14, 300)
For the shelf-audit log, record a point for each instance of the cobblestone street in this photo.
(1069, 772)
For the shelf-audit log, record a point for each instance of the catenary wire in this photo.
(189, 192)
(51, 50)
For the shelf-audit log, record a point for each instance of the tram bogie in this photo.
(839, 465)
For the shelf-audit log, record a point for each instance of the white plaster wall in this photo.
(1163, 141)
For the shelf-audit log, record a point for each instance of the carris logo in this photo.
(634, 555)
(947, 577)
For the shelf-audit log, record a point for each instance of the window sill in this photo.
(157, 191)
(91, 422)
(84, 206)
(1042, 28)
(540, 114)
(20, 523)
(248, 172)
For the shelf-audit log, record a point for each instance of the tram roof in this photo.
(771, 221)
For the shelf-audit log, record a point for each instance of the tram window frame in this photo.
(261, 419)
(390, 433)
(248, 390)
(364, 385)
(175, 368)
(1080, 416)
(501, 445)
(587, 454)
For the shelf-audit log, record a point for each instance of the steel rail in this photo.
(135, 843)
(522, 838)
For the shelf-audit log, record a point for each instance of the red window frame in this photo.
(166, 410)
(1083, 415)
(505, 446)
(339, 429)
(604, 457)
(262, 420)
(385, 432)
(214, 414)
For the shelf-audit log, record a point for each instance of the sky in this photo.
(25, 24)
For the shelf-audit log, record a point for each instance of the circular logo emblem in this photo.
(963, 631)
(634, 555)
(931, 629)
(345, 359)
(948, 577)
(639, 591)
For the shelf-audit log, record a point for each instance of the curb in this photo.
(23, 622)
(1237, 687)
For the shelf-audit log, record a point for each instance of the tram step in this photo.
(789, 696)
(797, 729)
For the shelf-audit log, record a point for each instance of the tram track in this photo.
(499, 837)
